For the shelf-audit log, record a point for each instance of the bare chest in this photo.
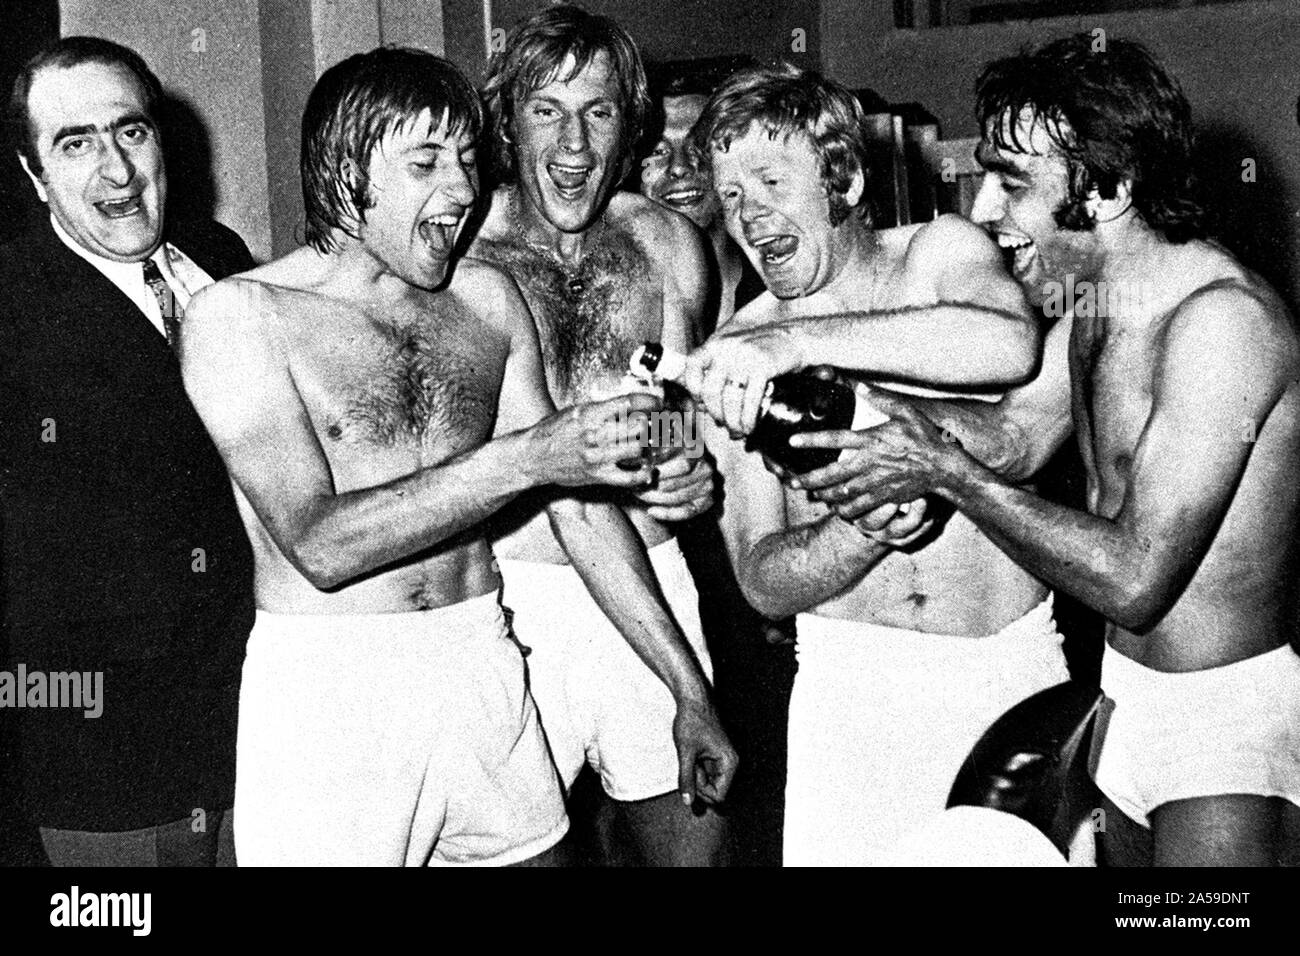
(589, 315)
(417, 387)
(1112, 388)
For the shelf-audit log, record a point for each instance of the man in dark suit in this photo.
(124, 559)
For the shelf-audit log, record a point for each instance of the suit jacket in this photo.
(122, 548)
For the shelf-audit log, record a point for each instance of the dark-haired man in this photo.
(1184, 369)
(124, 561)
(602, 272)
(673, 176)
(375, 400)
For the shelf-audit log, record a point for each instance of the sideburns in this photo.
(1072, 214)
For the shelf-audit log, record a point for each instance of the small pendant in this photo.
(576, 286)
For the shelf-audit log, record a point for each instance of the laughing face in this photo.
(102, 174)
(671, 175)
(1017, 202)
(568, 144)
(423, 183)
(776, 206)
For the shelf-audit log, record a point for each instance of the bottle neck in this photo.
(656, 362)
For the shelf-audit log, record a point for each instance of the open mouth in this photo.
(1017, 252)
(120, 208)
(776, 250)
(683, 198)
(439, 233)
(570, 181)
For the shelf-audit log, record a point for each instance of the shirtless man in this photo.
(673, 176)
(913, 636)
(374, 402)
(602, 272)
(1184, 372)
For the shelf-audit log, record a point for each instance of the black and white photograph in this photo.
(651, 433)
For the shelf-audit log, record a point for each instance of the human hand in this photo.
(684, 486)
(729, 373)
(706, 760)
(592, 442)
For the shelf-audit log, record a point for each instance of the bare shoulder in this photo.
(663, 234)
(762, 310)
(943, 240)
(1234, 319)
(254, 300)
(489, 293)
(240, 304)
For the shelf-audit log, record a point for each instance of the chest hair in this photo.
(581, 310)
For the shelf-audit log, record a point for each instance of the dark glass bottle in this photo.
(799, 402)
(795, 402)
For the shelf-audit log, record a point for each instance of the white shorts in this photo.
(600, 704)
(974, 836)
(1176, 736)
(391, 739)
(881, 720)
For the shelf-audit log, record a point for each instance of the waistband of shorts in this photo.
(464, 620)
(665, 553)
(1123, 677)
(877, 644)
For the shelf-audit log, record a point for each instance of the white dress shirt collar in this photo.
(178, 270)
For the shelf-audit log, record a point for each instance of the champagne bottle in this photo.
(793, 403)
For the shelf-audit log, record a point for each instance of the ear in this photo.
(36, 180)
(1108, 210)
(856, 187)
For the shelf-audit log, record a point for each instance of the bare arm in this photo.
(1225, 361)
(790, 571)
(611, 560)
(238, 376)
(1013, 438)
(1016, 436)
(785, 570)
(976, 330)
(685, 483)
(686, 284)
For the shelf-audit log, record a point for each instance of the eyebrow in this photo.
(444, 147)
(598, 101)
(991, 160)
(86, 129)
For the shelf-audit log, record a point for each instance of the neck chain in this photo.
(574, 281)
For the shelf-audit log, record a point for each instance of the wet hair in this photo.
(1114, 114)
(64, 54)
(534, 54)
(354, 105)
(784, 101)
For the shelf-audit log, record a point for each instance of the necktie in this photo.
(172, 313)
